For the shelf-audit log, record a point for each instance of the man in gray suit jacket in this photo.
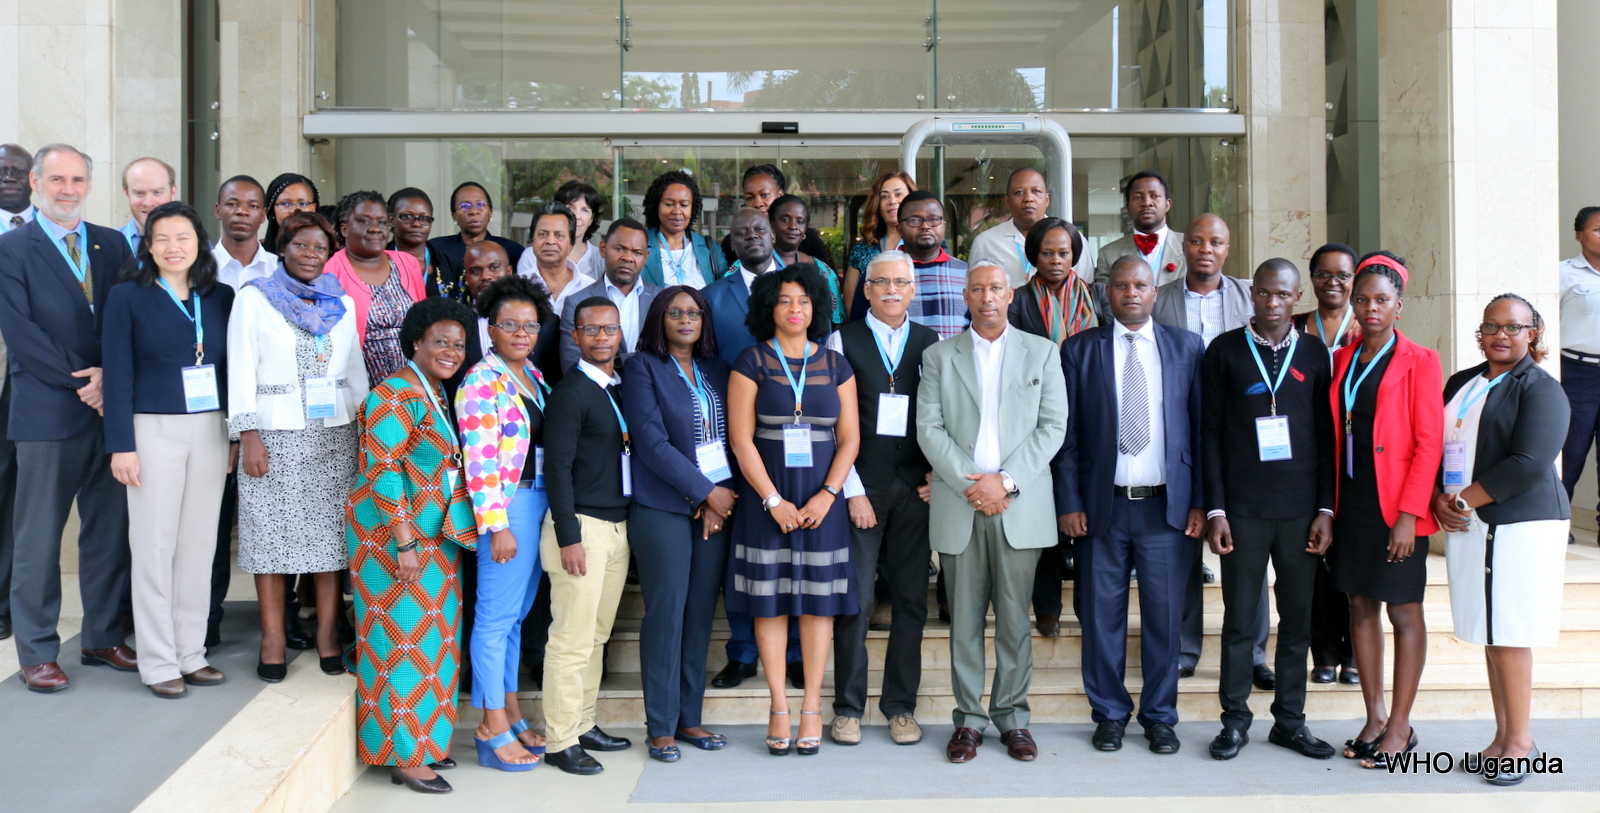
(991, 414)
(625, 250)
(1148, 201)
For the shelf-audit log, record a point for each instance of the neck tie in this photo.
(1133, 427)
(1146, 242)
(77, 259)
(16, 221)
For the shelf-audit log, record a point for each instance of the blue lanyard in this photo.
(1272, 386)
(1027, 267)
(627, 445)
(80, 270)
(438, 411)
(198, 318)
(321, 356)
(702, 393)
(1467, 402)
(800, 386)
(677, 265)
(1343, 324)
(1349, 391)
(899, 352)
(539, 387)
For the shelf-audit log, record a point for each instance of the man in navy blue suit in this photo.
(1127, 483)
(55, 273)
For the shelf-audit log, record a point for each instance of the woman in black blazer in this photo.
(674, 395)
(1502, 504)
(1055, 302)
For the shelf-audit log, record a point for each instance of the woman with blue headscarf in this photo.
(296, 381)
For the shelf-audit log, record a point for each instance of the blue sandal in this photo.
(520, 726)
(489, 759)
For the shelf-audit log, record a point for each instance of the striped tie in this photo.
(1133, 428)
(87, 283)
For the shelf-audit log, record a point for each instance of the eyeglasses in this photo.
(1490, 329)
(916, 222)
(509, 326)
(594, 330)
(1324, 276)
(886, 283)
(472, 206)
(408, 219)
(693, 314)
(287, 205)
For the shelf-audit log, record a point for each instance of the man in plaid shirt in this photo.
(940, 277)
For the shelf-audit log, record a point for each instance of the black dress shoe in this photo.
(1349, 676)
(1300, 740)
(434, 785)
(1108, 735)
(733, 674)
(1206, 574)
(272, 672)
(574, 760)
(1228, 743)
(332, 665)
(797, 675)
(5, 627)
(296, 638)
(1186, 671)
(1163, 740)
(1263, 678)
(596, 740)
(1324, 674)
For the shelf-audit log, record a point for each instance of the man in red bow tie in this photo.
(1148, 201)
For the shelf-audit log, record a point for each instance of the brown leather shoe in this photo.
(1050, 625)
(169, 689)
(205, 676)
(1020, 744)
(963, 745)
(119, 658)
(44, 678)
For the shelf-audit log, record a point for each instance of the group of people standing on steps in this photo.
(448, 427)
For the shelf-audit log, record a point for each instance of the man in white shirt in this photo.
(16, 197)
(1148, 201)
(1580, 345)
(1028, 198)
(545, 262)
(991, 412)
(241, 209)
(626, 248)
(148, 183)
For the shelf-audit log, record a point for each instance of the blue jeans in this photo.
(505, 594)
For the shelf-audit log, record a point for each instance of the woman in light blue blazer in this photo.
(678, 256)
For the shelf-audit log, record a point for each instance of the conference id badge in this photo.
(452, 476)
(1455, 463)
(322, 397)
(797, 446)
(627, 475)
(892, 413)
(1272, 438)
(713, 460)
(538, 467)
(200, 388)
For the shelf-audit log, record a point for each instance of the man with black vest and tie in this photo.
(1127, 485)
(55, 273)
(887, 498)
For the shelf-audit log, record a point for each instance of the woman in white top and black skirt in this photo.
(1501, 502)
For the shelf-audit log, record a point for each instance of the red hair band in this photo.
(1388, 262)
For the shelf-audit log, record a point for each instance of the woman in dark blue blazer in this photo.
(674, 395)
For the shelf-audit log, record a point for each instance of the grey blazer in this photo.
(1171, 254)
(569, 348)
(1171, 304)
(1033, 423)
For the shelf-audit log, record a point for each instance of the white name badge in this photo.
(1455, 463)
(1272, 438)
(892, 413)
(200, 388)
(322, 397)
(452, 475)
(713, 460)
(538, 467)
(627, 475)
(797, 446)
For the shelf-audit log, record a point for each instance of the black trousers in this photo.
(1047, 578)
(222, 562)
(1255, 541)
(1193, 632)
(50, 475)
(680, 575)
(1330, 622)
(900, 543)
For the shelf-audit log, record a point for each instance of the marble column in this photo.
(266, 71)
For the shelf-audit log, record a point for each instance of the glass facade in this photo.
(1027, 55)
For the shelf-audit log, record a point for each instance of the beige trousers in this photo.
(172, 533)
(582, 610)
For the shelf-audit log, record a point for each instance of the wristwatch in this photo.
(1461, 505)
(407, 547)
(1008, 484)
(830, 490)
(772, 501)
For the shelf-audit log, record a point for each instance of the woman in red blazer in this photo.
(1389, 419)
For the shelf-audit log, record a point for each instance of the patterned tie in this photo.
(1133, 427)
(16, 221)
(77, 261)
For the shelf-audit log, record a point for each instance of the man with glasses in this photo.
(625, 249)
(940, 278)
(147, 183)
(887, 498)
(16, 197)
(546, 263)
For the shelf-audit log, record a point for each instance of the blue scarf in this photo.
(288, 297)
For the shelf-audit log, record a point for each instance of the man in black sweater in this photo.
(584, 545)
(887, 497)
(1267, 449)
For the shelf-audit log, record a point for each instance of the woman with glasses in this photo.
(879, 231)
(1501, 503)
(473, 212)
(791, 223)
(288, 193)
(381, 283)
(674, 395)
(583, 201)
(500, 413)
(296, 378)
(413, 222)
(407, 519)
(678, 255)
(1388, 417)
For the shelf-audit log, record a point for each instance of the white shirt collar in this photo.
(1145, 331)
(638, 287)
(28, 213)
(1578, 261)
(880, 326)
(262, 256)
(598, 376)
(750, 276)
(979, 342)
(1160, 233)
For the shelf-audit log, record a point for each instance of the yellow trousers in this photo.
(582, 611)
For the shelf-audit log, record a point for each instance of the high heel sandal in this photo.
(1363, 749)
(520, 726)
(1380, 759)
(808, 746)
(489, 759)
(777, 746)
